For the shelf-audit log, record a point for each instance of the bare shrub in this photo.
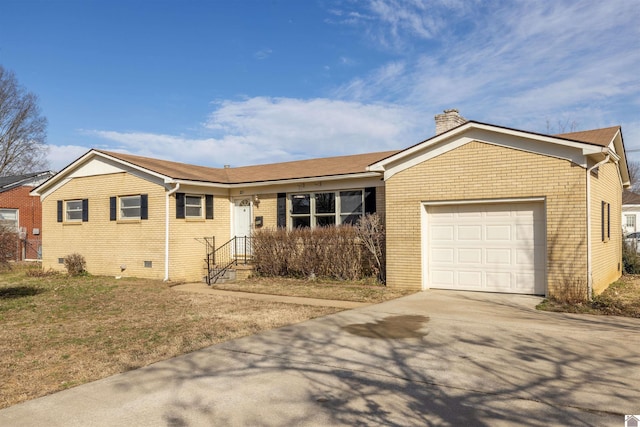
(573, 291)
(39, 272)
(630, 257)
(75, 264)
(371, 232)
(332, 252)
(9, 246)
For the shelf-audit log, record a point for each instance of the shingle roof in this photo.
(312, 168)
(600, 137)
(630, 198)
(9, 182)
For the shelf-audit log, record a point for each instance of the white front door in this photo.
(242, 217)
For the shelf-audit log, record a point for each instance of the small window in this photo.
(130, 207)
(148, 264)
(193, 206)
(9, 219)
(60, 260)
(631, 221)
(73, 209)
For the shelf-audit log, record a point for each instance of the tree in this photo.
(634, 174)
(22, 129)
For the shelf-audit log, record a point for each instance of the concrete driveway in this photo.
(433, 358)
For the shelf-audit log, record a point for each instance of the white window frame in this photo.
(632, 223)
(199, 206)
(313, 216)
(123, 209)
(70, 210)
(12, 224)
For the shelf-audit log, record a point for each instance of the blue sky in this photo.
(249, 82)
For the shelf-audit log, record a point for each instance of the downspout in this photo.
(166, 232)
(589, 266)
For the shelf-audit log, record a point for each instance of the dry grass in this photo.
(59, 331)
(622, 298)
(324, 289)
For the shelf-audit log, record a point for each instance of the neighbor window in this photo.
(193, 206)
(73, 209)
(9, 218)
(326, 208)
(631, 222)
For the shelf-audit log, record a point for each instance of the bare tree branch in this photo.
(23, 146)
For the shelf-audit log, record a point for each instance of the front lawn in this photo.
(59, 331)
(319, 288)
(622, 298)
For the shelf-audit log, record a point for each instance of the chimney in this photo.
(448, 120)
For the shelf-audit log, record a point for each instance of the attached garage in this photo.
(491, 247)
(484, 208)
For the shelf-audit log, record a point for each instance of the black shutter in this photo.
(282, 210)
(60, 210)
(144, 206)
(602, 226)
(208, 203)
(113, 210)
(179, 205)
(370, 200)
(85, 210)
(608, 221)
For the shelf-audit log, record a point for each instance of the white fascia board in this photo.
(95, 163)
(574, 152)
(359, 175)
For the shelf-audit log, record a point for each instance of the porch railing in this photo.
(219, 260)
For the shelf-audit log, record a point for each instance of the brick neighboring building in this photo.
(22, 212)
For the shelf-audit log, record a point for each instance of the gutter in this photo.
(589, 250)
(166, 232)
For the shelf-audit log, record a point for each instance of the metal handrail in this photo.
(237, 249)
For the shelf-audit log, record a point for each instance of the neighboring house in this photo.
(22, 212)
(476, 207)
(630, 212)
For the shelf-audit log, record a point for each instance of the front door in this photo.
(242, 224)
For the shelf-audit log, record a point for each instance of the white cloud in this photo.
(263, 54)
(263, 130)
(60, 156)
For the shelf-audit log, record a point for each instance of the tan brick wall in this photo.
(606, 256)
(478, 171)
(107, 245)
(267, 208)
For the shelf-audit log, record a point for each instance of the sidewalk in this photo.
(201, 288)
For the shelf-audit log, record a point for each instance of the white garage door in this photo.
(486, 247)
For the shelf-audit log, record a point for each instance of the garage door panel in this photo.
(492, 247)
(469, 232)
(470, 256)
(498, 256)
(470, 279)
(445, 255)
(498, 232)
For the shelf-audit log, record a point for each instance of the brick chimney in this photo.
(448, 120)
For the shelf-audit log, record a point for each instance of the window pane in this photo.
(325, 221)
(301, 221)
(300, 204)
(130, 207)
(74, 210)
(9, 218)
(631, 220)
(350, 202)
(193, 211)
(325, 203)
(193, 206)
(350, 219)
